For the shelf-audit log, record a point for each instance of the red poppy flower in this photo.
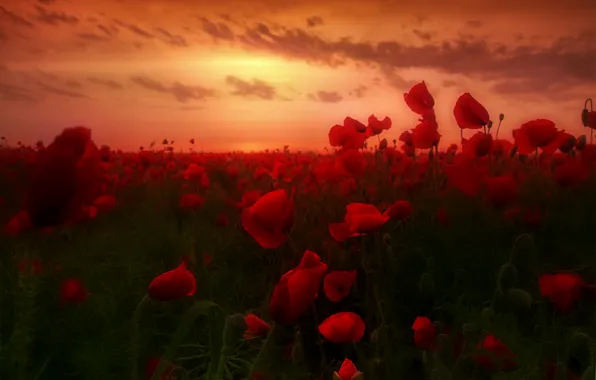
(191, 201)
(72, 291)
(297, 289)
(498, 357)
(269, 217)
(347, 371)
(343, 327)
(562, 289)
(152, 364)
(63, 178)
(376, 126)
(174, 284)
(351, 162)
(425, 333)
(419, 99)
(469, 113)
(337, 284)
(400, 210)
(425, 135)
(535, 134)
(255, 327)
(501, 190)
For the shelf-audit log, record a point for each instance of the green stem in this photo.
(134, 336)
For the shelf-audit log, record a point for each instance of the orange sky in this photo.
(260, 74)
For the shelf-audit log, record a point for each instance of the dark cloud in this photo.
(359, 91)
(109, 31)
(62, 92)
(424, 36)
(92, 37)
(10, 93)
(171, 39)
(54, 18)
(135, 29)
(73, 84)
(182, 93)
(6, 15)
(254, 89)
(326, 97)
(569, 60)
(314, 21)
(106, 82)
(475, 23)
(217, 30)
(46, 1)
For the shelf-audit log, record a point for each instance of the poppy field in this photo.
(402, 259)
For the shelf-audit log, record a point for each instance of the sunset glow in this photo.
(262, 74)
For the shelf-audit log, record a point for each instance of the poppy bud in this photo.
(581, 143)
(488, 314)
(374, 336)
(426, 285)
(430, 154)
(434, 374)
(501, 117)
(513, 151)
(387, 239)
(430, 263)
(490, 124)
(579, 346)
(506, 278)
(585, 114)
(297, 352)
(520, 298)
(560, 371)
(471, 331)
(589, 373)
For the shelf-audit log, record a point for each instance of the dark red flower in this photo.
(343, 327)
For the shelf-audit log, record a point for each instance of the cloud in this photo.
(73, 84)
(135, 29)
(475, 24)
(6, 15)
(62, 92)
(109, 31)
(255, 89)
(424, 36)
(359, 91)
(10, 93)
(326, 97)
(106, 82)
(46, 1)
(92, 37)
(568, 60)
(219, 30)
(314, 21)
(171, 39)
(54, 18)
(182, 93)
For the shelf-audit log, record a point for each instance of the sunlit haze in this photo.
(256, 74)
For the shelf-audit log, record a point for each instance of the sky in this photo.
(256, 74)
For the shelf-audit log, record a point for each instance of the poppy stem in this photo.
(134, 337)
(498, 127)
(591, 104)
(257, 361)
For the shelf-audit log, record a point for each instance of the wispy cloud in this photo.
(47, 16)
(326, 97)
(106, 82)
(6, 15)
(183, 93)
(10, 93)
(62, 92)
(254, 89)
